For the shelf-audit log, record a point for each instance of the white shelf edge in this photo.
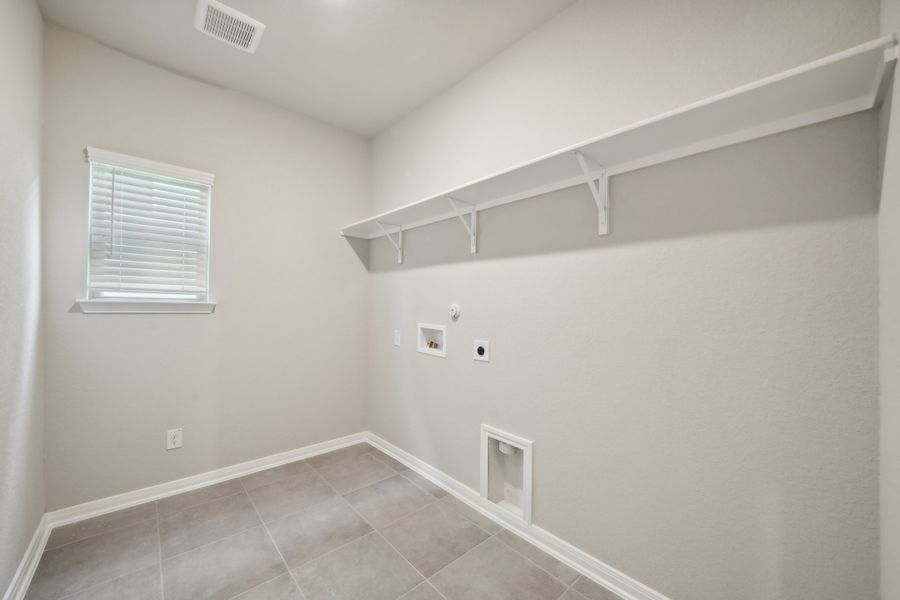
(888, 43)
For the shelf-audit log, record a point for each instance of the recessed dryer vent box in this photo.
(506, 463)
(432, 339)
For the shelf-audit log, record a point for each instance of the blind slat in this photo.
(125, 225)
(151, 212)
(149, 235)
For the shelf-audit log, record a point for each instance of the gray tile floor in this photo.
(351, 524)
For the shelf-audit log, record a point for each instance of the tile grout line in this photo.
(472, 521)
(460, 557)
(421, 487)
(386, 525)
(577, 574)
(569, 587)
(204, 503)
(99, 584)
(162, 585)
(436, 591)
(272, 539)
(205, 544)
(234, 533)
(157, 514)
(385, 540)
(93, 535)
(259, 585)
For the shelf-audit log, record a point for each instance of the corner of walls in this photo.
(22, 499)
(889, 325)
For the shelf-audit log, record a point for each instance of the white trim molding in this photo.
(112, 307)
(585, 564)
(22, 577)
(95, 508)
(116, 159)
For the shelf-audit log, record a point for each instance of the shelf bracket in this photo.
(599, 186)
(471, 226)
(396, 244)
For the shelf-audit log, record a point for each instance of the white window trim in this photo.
(95, 306)
(92, 154)
(144, 307)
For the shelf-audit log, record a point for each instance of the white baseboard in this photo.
(94, 508)
(22, 577)
(589, 566)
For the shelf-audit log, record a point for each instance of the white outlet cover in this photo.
(481, 350)
(174, 438)
(397, 337)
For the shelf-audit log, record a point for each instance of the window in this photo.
(149, 236)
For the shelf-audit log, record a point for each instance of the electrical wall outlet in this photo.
(481, 350)
(397, 337)
(174, 438)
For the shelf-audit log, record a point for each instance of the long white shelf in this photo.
(834, 86)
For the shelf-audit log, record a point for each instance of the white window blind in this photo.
(149, 230)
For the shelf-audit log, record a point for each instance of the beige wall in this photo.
(281, 363)
(889, 328)
(598, 66)
(21, 369)
(701, 385)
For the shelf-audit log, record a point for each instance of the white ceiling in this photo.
(359, 64)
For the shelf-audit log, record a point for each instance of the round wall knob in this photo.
(454, 311)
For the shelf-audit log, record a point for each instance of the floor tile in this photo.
(433, 537)
(565, 574)
(355, 472)
(314, 531)
(289, 495)
(472, 514)
(199, 496)
(366, 569)
(389, 461)
(142, 585)
(423, 591)
(386, 501)
(95, 560)
(572, 595)
(85, 529)
(434, 490)
(193, 527)
(222, 569)
(593, 591)
(280, 588)
(492, 570)
(274, 474)
(339, 455)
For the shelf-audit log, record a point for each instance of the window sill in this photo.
(92, 307)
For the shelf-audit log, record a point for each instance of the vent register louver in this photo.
(228, 25)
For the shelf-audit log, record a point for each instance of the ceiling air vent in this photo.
(228, 25)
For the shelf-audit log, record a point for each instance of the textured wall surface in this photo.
(889, 327)
(701, 385)
(281, 363)
(21, 366)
